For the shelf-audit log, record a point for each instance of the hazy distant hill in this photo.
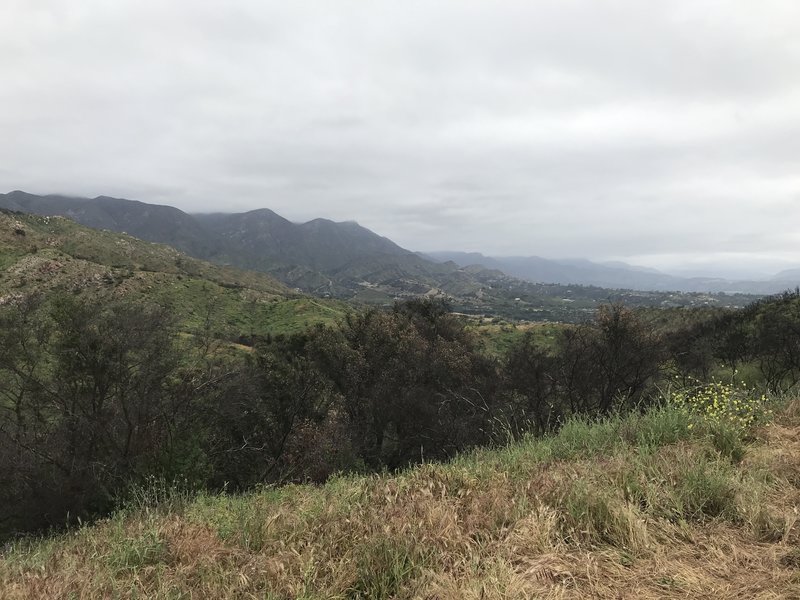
(788, 275)
(615, 275)
(264, 238)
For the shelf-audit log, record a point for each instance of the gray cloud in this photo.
(663, 133)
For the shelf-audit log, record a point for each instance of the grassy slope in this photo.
(496, 338)
(639, 507)
(56, 254)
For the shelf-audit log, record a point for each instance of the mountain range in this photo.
(348, 261)
(319, 256)
(615, 275)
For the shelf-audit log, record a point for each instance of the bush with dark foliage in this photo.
(96, 396)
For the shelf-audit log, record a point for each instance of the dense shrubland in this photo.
(98, 398)
(644, 505)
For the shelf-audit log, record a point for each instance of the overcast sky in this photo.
(662, 133)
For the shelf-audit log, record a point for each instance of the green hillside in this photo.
(44, 255)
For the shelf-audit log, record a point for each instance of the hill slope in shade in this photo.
(320, 244)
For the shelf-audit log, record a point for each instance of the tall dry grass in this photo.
(632, 507)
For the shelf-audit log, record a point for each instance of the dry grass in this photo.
(630, 508)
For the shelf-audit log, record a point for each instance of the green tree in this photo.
(85, 396)
(608, 364)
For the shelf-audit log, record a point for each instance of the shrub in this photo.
(609, 364)
(722, 406)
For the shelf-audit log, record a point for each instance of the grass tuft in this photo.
(385, 567)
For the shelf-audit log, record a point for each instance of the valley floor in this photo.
(633, 507)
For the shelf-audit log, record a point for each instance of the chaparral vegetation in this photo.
(175, 428)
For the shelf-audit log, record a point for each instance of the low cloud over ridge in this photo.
(660, 133)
